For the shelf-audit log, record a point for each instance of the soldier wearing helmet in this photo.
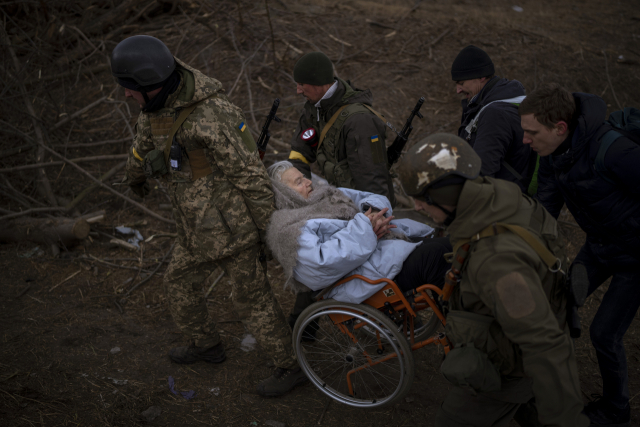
(194, 139)
(512, 356)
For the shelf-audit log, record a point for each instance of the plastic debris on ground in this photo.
(186, 394)
(30, 252)
(517, 8)
(118, 382)
(137, 237)
(248, 343)
(115, 350)
(152, 413)
(215, 391)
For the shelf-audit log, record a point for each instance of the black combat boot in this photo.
(602, 413)
(193, 354)
(282, 381)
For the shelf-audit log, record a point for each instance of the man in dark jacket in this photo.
(339, 130)
(490, 121)
(566, 130)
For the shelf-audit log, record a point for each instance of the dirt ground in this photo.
(72, 356)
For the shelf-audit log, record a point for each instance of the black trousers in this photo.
(425, 264)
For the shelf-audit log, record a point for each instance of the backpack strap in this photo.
(473, 124)
(606, 141)
(553, 263)
(176, 125)
(330, 123)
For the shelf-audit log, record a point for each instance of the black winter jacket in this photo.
(498, 137)
(608, 212)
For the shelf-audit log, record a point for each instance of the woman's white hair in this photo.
(276, 170)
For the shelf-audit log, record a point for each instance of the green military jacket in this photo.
(356, 156)
(508, 302)
(227, 210)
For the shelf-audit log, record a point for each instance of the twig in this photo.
(78, 160)
(324, 411)
(92, 187)
(117, 193)
(244, 63)
(606, 67)
(45, 186)
(151, 275)
(65, 280)
(29, 212)
(215, 282)
(273, 39)
(92, 70)
(96, 144)
(24, 291)
(77, 113)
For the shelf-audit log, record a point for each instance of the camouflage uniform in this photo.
(220, 217)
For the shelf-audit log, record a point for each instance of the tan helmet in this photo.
(436, 157)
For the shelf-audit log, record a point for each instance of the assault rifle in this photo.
(395, 150)
(263, 139)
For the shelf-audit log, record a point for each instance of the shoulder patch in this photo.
(374, 138)
(242, 126)
(308, 134)
(515, 295)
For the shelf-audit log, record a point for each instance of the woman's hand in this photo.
(380, 224)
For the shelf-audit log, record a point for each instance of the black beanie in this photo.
(471, 63)
(314, 68)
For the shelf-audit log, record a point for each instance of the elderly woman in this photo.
(320, 234)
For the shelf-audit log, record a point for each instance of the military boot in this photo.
(602, 413)
(282, 381)
(193, 354)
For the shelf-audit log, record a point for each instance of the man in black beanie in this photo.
(339, 130)
(490, 120)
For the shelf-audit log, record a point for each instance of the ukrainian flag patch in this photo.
(242, 126)
(374, 138)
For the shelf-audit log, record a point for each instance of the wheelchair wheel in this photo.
(359, 368)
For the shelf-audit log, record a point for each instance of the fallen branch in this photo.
(65, 280)
(84, 193)
(151, 275)
(77, 113)
(29, 212)
(101, 184)
(96, 144)
(92, 70)
(78, 160)
(47, 231)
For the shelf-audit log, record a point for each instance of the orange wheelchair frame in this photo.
(358, 352)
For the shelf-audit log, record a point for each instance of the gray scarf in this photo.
(293, 212)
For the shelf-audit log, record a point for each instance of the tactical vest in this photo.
(194, 163)
(332, 154)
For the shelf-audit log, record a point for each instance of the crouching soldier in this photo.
(513, 355)
(196, 141)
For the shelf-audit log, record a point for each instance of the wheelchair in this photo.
(360, 354)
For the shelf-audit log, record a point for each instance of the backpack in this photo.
(624, 123)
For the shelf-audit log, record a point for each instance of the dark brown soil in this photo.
(58, 365)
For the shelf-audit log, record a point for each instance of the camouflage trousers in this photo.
(253, 299)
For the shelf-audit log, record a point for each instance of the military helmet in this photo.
(143, 59)
(435, 158)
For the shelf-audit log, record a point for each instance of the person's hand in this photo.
(380, 224)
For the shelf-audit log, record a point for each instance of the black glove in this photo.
(141, 189)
